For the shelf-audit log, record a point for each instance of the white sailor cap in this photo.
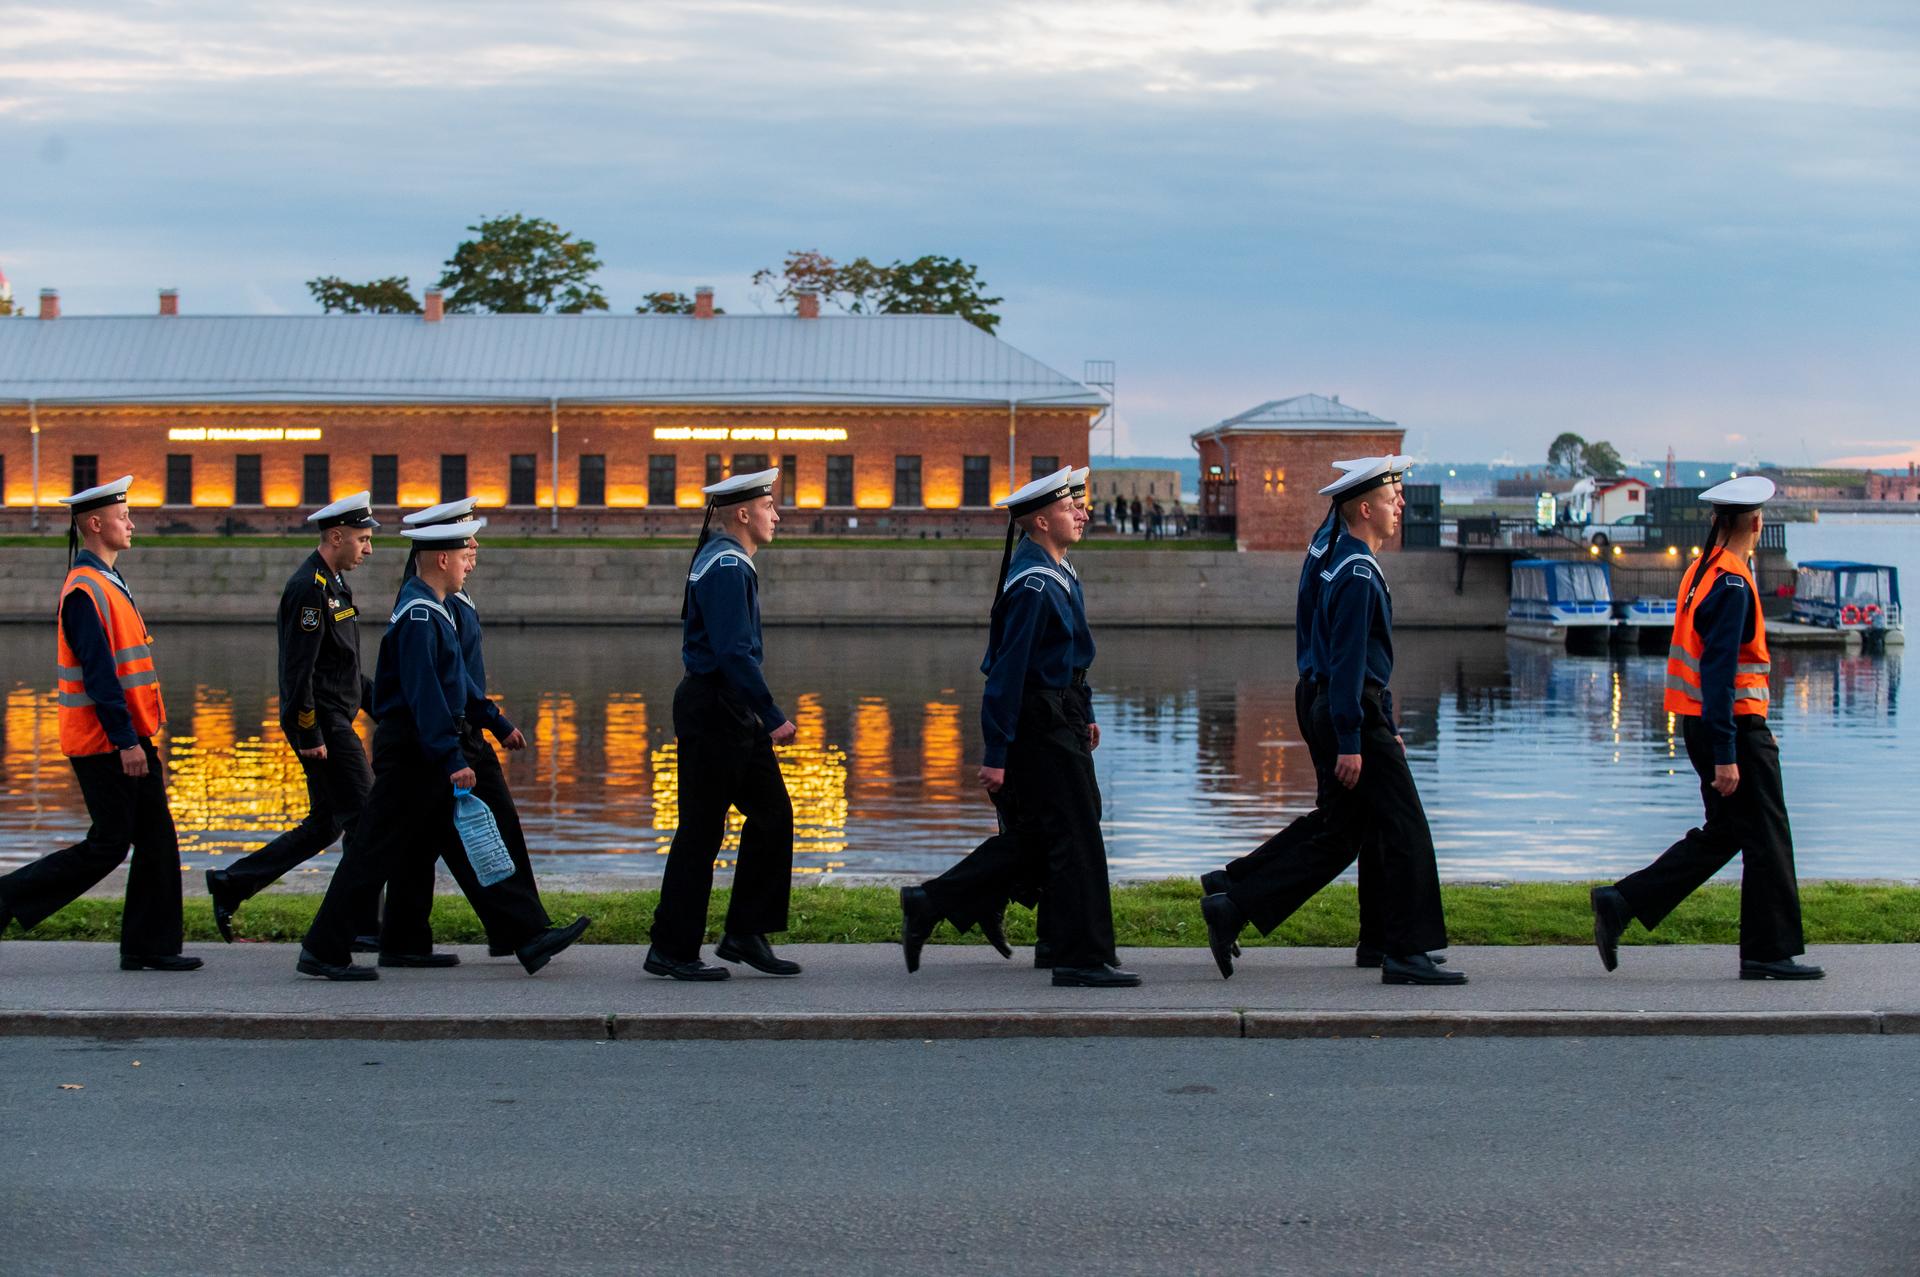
(1364, 474)
(1039, 494)
(355, 511)
(1077, 485)
(114, 493)
(1748, 492)
(742, 487)
(445, 512)
(444, 536)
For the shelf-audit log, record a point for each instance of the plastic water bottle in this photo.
(480, 835)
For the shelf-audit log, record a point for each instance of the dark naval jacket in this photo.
(721, 635)
(1038, 638)
(1353, 637)
(482, 711)
(320, 679)
(1724, 620)
(420, 677)
(1306, 607)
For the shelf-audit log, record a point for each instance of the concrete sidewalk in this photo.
(864, 991)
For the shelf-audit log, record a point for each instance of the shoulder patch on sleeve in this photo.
(726, 561)
(417, 613)
(1037, 585)
(309, 618)
(1362, 571)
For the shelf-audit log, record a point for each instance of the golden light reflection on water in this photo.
(227, 787)
(941, 753)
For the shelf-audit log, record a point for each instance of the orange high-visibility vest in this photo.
(1750, 691)
(80, 730)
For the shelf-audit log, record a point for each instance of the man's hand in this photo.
(785, 732)
(1401, 741)
(318, 751)
(462, 779)
(133, 760)
(1726, 779)
(1093, 736)
(1346, 770)
(515, 740)
(991, 778)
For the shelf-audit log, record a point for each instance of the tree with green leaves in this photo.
(1567, 454)
(519, 265)
(390, 296)
(1602, 458)
(939, 286)
(854, 288)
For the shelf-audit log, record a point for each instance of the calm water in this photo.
(1533, 764)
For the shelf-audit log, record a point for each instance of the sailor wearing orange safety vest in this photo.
(1717, 684)
(109, 712)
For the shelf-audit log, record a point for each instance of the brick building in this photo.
(1261, 472)
(576, 423)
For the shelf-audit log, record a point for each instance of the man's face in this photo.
(353, 545)
(471, 555)
(1385, 507)
(460, 565)
(114, 526)
(760, 517)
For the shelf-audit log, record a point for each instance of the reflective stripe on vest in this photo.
(80, 729)
(1751, 693)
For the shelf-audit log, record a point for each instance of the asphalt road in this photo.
(1571, 1156)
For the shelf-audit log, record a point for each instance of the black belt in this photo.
(1079, 678)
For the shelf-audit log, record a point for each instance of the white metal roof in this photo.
(668, 359)
(1301, 412)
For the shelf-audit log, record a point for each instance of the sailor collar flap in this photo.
(407, 605)
(722, 551)
(1363, 565)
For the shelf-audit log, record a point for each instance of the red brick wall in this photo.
(1278, 475)
(136, 440)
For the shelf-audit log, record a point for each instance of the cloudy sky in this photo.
(1660, 224)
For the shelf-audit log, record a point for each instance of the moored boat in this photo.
(1564, 601)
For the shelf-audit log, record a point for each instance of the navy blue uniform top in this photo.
(1306, 607)
(721, 634)
(1723, 620)
(88, 639)
(420, 675)
(1037, 638)
(1353, 636)
(466, 622)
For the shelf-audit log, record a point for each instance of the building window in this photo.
(660, 480)
(976, 481)
(386, 478)
(246, 478)
(789, 477)
(593, 479)
(715, 471)
(748, 463)
(1044, 466)
(840, 480)
(520, 479)
(179, 478)
(316, 479)
(906, 482)
(86, 471)
(453, 476)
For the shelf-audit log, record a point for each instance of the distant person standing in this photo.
(1136, 516)
(727, 725)
(109, 711)
(1036, 714)
(322, 692)
(1718, 685)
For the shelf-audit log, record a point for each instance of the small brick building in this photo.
(889, 424)
(1261, 472)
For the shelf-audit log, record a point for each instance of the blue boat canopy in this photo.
(1562, 581)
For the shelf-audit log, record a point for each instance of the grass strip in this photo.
(1147, 915)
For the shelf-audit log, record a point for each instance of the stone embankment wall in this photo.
(564, 586)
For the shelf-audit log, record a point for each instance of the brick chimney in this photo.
(170, 301)
(436, 306)
(49, 303)
(807, 302)
(703, 301)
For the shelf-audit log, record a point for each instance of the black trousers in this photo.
(1752, 824)
(337, 789)
(408, 824)
(125, 811)
(1383, 807)
(503, 907)
(1050, 817)
(1322, 750)
(726, 760)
